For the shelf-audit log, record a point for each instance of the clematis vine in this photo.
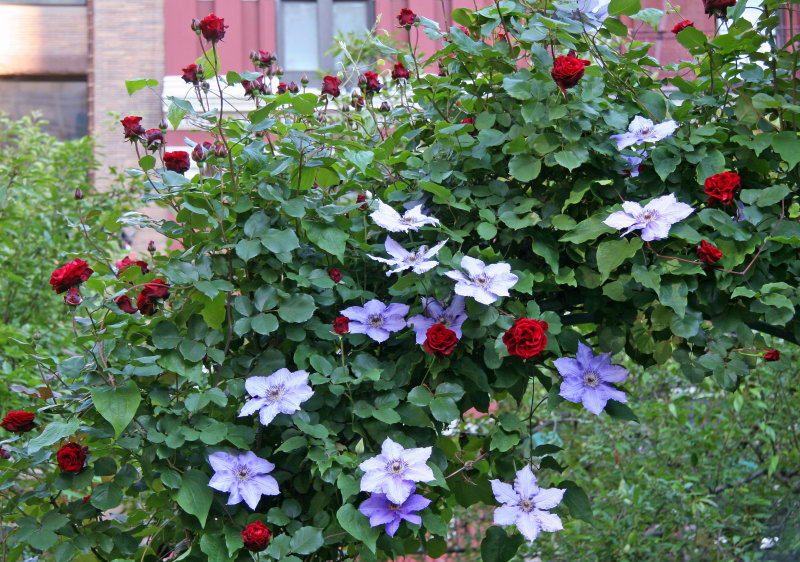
(395, 471)
(375, 319)
(587, 378)
(643, 130)
(654, 220)
(282, 392)
(484, 283)
(383, 512)
(245, 476)
(434, 312)
(526, 505)
(419, 262)
(391, 220)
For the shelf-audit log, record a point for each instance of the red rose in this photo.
(406, 17)
(360, 199)
(718, 7)
(18, 422)
(567, 71)
(341, 325)
(330, 86)
(201, 150)
(470, 121)
(400, 72)
(370, 83)
(127, 262)
(772, 355)
(440, 340)
(708, 253)
(153, 139)
(132, 127)
(190, 74)
(150, 295)
(680, 26)
(145, 305)
(72, 457)
(254, 87)
(721, 188)
(4, 454)
(177, 161)
(526, 338)
(335, 275)
(86, 498)
(73, 296)
(125, 304)
(262, 59)
(213, 28)
(70, 275)
(256, 537)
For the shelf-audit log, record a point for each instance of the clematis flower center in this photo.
(394, 506)
(481, 280)
(413, 259)
(526, 505)
(242, 473)
(443, 320)
(276, 392)
(648, 216)
(590, 378)
(396, 467)
(376, 320)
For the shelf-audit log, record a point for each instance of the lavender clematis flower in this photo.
(592, 12)
(633, 164)
(485, 282)
(245, 476)
(395, 470)
(435, 313)
(413, 219)
(402, 259)
(586, 379)
(376, 320)
(655, 219)
(525, 505)
(383, 512)
(280, 393)
(643, 130)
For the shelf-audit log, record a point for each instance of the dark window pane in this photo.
(300, 36)
(64, 103)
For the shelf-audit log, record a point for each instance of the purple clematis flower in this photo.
(280, 393)
(587, 378)
(525, 505)
(485, 282)
(419, 261)
(643, 130)
(413, 219)
(395, 470)
(383, 512)
(375, 319)
(435, 313)
(655, 219)
(245, 476)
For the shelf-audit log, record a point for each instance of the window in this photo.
(306, 29)
(64, 103)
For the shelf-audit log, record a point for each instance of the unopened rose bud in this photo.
(37, 335)
(78, 194)
(220, 150)
(385, 107)
(200, 70)
(151, 247)
(278, 71)
(163, 126)
(196, 25)
(304, 80)
(205, 86)
(345, 108)
(293, 88)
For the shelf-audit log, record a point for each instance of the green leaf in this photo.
(194, 495)
(650, 16)
(624, 7)
(620, 411)
(213, 546)
(297, 308)
(42, 540)
(360, 159)
(787, 144)
(278, 241)
(524, 167)
(248, 249)
(576, 501)
(210, 61)
(55, 431)
(444, 409)
(136, 85)
(438, 190)
(264, 324)
(497, 546)
(175, 115)
(165, 335)
(357, 525)
(306, 540)
(117, 405)
(664, 161)
(106, 495)
(329, 238)
(674, 295)
(613, 253)
(586, 230)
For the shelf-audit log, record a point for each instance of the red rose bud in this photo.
(358, 101)
(304, 80)
(256, 537)
(5, 455)
(195, 25)
(369, 81)
(262, 59)
(406, 18)
(680, 26)
(400, 72)
(281, 88)
(213, 28)
(70, 275)
(385, 107)
(132, 128)
(78, 194)
(205, 86)
(567, 71)
(526, 338)
(278, 71)
(254, 87)
(18, 422)
(330, 86)
(87, 498)
(153, 139)
(201, 151)
(73, 297)
(717, 7)
(772, 355)
(335, 275)
(125, 304)
(292, 88)
(177, 161)
(708, 253)
(190, 74)
(151, 247)
(219, 150)
(440, 340)
(341, 325)
(721, 188)
(72, 457)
